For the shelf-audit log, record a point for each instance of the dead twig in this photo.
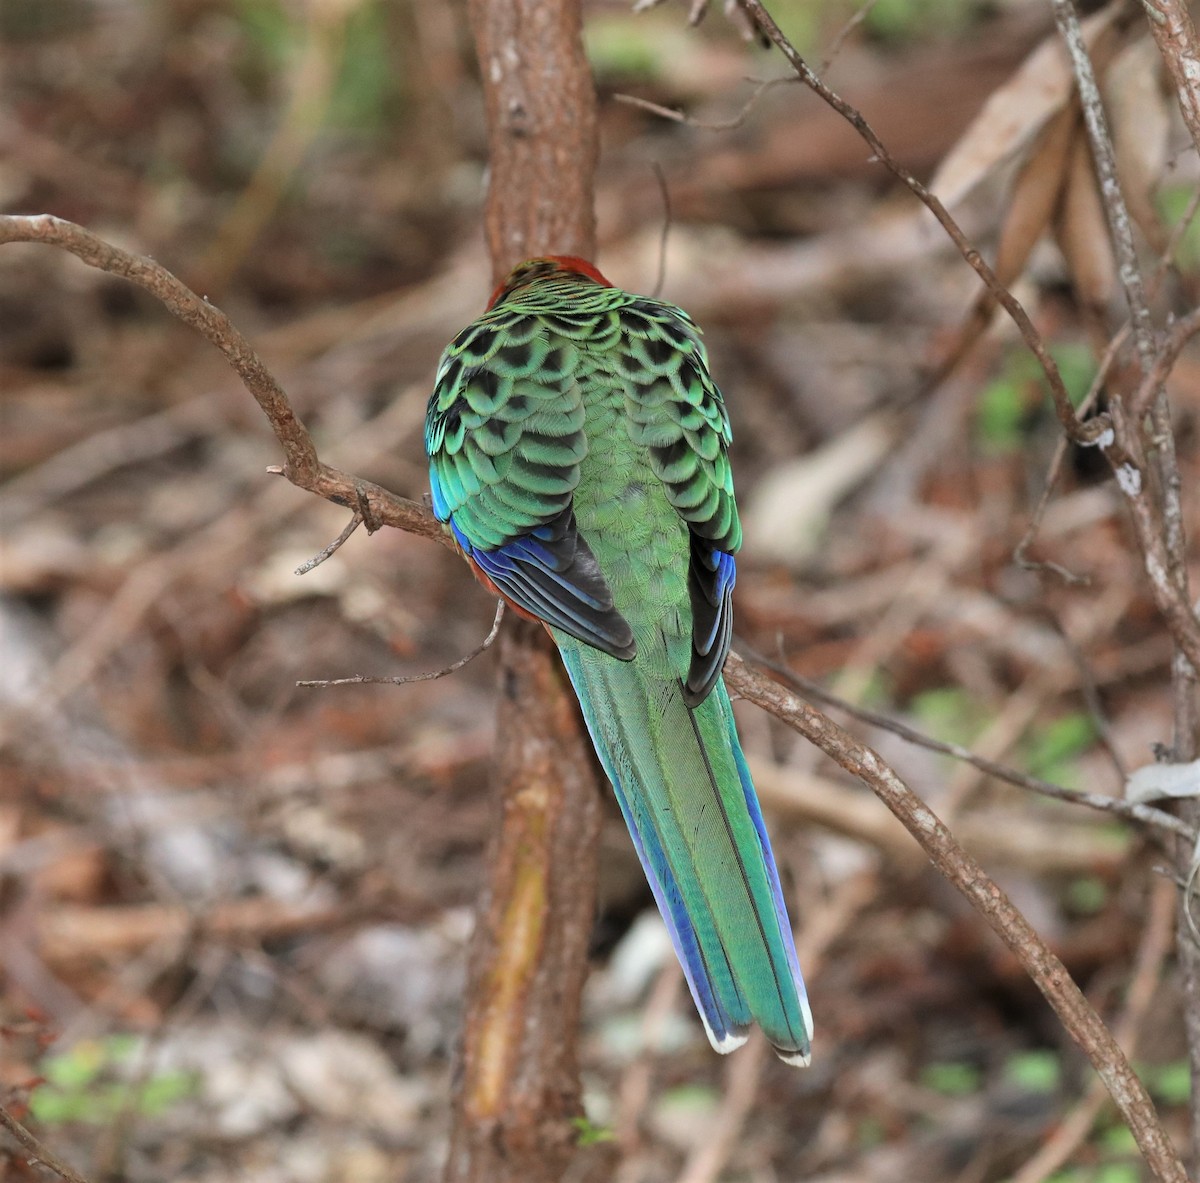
(39, 1154)
(432, 676)
(1175, 35)
(1081, 432)
(1182, 331)
(301, 465)
(762, 85)
(324, 553)
(1146, 814)
(954, 864)
(1070, 1133)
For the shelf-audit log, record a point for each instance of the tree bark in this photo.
(518, 1089)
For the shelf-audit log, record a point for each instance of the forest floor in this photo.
(234, 912)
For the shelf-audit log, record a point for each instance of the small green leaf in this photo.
(1172, 1082)
(1054, 746)
(164, 1090)
(1035, 1071)
(1118, 1172)
(589, 1134)
(78, 1067)
(1118, 1139)
(948, 713)
(955, 1079)
(1087, 895)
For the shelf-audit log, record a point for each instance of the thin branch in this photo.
(953, 863)
(1070, 1133)
(677, 116)
(835, 46)
(1080, 432)
(321, 555)
(432, 676)
(1146, 814)
(1182, 331)
(1102, 372)
(1171, 24)
(38, 1153)
(665, 234)
(301, 464)
(1104, 158)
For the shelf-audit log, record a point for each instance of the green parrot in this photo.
(578, 451)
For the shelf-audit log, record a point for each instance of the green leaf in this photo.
(1054, 746)
(954, 1079)
(76, 1068)
(1118, 1172)
(589, 1134)
(948, 713)
(1171, 1082)
(1118, 1139)
(160, 1092)
(1087, 895)
(1034, 1071)
(1000, 413)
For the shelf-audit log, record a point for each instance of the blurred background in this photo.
(233, 912)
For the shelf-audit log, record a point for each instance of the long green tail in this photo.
(686, 793)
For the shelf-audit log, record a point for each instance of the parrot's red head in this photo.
(542, 268)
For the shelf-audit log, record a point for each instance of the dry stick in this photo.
(1126, 455)
(1182, 331)
(432, 676)
(677, 116)
(1147, 814)
(1153, 948)
(1044, 968)
(1102, 371)
(1158, 520)
(301, 464)
(1171, 24)
(1081, 433)
(38, 1154)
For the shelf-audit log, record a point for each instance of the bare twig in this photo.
(1152, 485)
(432, 676)
(38, 1153)
(835, 46)
(1043, 967)
(762, 85)
(301, 464)
(661, 278)
(1080, 432)
(324, 553)
(1102, 373)
(1182, 331)
(1171, 24)
(1147, 814)
(1070, 1133)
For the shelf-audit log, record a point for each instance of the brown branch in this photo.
(762, 85)
(518, 1088)
(1080, 432)
(301, 465)
(1071, 1132)
(1182, 331)
(406, 680)
(38, 1153)
(1171, 24)
(1146, 814)
(953, 863)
